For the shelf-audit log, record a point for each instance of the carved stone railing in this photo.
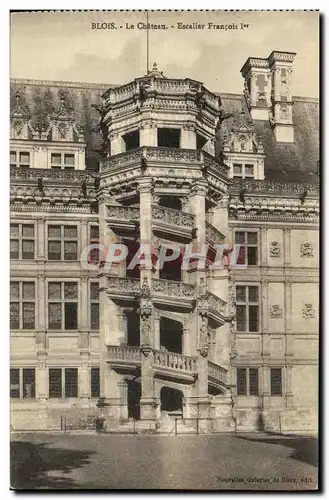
(217, 304)
(123, 285)
(215, 164)
(121, 93)
(123, 213)
(173, 288)
(277, 187)
(173, 217)
(51, 174)
(175, 361)
(120, 160)
(123, 353)
(213, 235)
(217, 373)
(185, 156)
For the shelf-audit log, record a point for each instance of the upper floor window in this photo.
(276, 381)
(19, 159)
(247, 308)
(21, 241)
(22, 383)
(248, 251)
(94, 254)
(94, 306)
(62, 242)
(247, 382)
(62, 305)
(22, 305)
(131, 140)
(169, 137)
(243, 170)
(62, 160)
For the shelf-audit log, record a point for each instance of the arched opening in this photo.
(132, 271)
(170, 202)
(134, 396)
(171, 335)
(133, 328)
(171, 269)
(171, 400)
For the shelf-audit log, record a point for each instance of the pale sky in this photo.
(62, 46)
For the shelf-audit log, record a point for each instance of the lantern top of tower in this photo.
(155, 72)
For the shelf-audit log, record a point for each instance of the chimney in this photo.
(267, 90)
(280, 64)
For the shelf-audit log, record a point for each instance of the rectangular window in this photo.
(169, 137)
(28, 383)
(248, 252)
(94, 255)
(276, 381)
(19, 159)
(63, 382)
(94, 383)
(62, 242)
(14, 383)
(22, 241)
(71, 382)
(22, 305)
(62, 306)
(131, 140)
(62, 161)
(247, 382)
(247, 308)
(22, 383)
(244, 171)
(55, 382)
(94, 306)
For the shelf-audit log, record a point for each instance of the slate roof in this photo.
(284, 162)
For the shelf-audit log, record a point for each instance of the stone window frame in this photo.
(18, 163)
(94, 255)
(21, 239)
(21, 385)
(21, 301)
(93, 301)
(63, 239)
(249, 245)
(247, 304)
(63, 301)
(62, 165)
(247, 380)
(63, 381)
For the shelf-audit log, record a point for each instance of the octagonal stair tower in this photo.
(165, 336)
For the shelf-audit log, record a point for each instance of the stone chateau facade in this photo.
(164, 161)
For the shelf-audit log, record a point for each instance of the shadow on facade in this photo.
(37, 466)
(305, 449)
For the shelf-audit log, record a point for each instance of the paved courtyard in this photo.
(162, 462)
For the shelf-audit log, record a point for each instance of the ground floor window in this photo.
(94, 383)
(276, 381)
(63, 382)
(247, 382)
(22, 383)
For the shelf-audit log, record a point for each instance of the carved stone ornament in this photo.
(276, 311)
(145, 290)
(306, 249)
(308, 311)
(275, 249)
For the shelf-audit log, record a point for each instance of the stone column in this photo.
(188, 136)
(41, 250)
(42, 378)
(288, 386)
(148, 134)
(263, 244)
(287, 247)
(253, 90)
(117, 145)
(84, 378)
(197, 203)
(148, 400)
(123, 390)
(83, 239)
(156, 339)
(41, 320)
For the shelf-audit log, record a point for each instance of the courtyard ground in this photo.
(214, 462)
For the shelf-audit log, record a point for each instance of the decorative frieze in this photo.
(173, 217)
(276, 312)
(123, 213)
(173, 288)
(278, 187)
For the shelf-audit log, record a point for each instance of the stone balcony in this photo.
(213, 235)
(164, 220)
(166, 364)
(129, 164)
(174, 294)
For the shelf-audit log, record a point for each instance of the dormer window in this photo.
(243, 170)
(62, 161)
(19, 159)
